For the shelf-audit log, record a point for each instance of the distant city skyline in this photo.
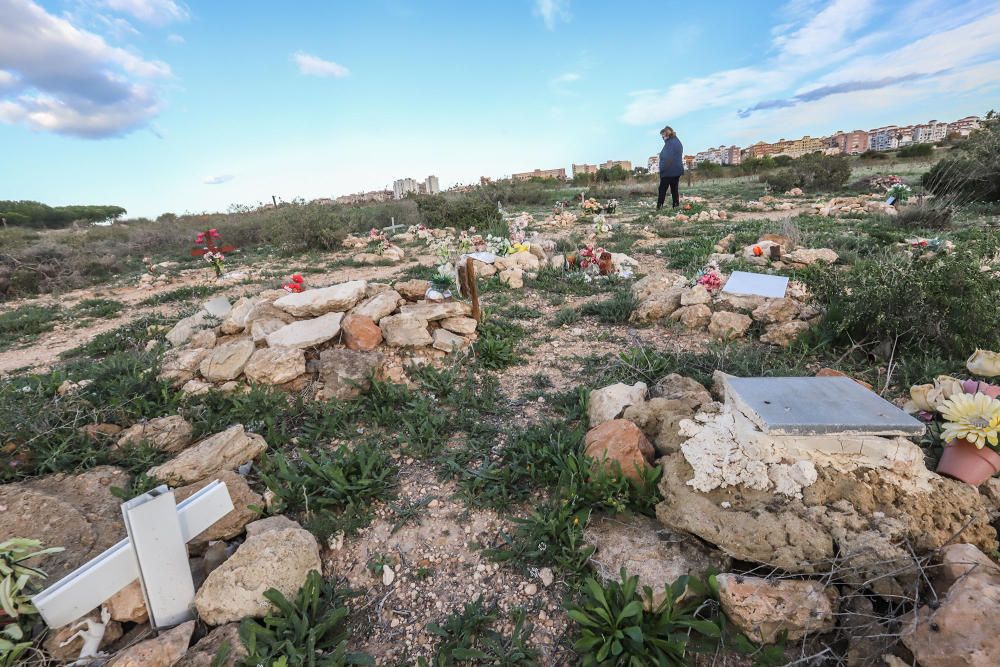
(162, 105)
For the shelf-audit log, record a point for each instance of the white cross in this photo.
(154, 553)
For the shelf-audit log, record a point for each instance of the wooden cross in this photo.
(154, 553)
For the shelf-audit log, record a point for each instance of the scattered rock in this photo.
(620, 440)
(128, 605)
(162, 651)
(347, 373)
(380, 305)
(226, 361)
(222, 451)
(186, 327)
(205, 339)
(279, 558)
(412, 290)
(233, 523)
(784, 334)
(728, 326)
(465, 326)
(405, 330)
(196, 387)
(275, 365)
(657, 305)
(436, 311)
(696, 295)
(446, 341)
(306, 333)
(236, 320)
(693, 317)
(179, 366)
(203, 653)
(609, 402)
(776, 310)
(763, 609)
(314, 302)
(361, 332)
(680, 388)
(217, 307)
(811, 256)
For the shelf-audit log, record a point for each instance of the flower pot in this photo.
(965, 462)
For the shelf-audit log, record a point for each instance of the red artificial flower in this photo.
(214, 233)
(297, 278)
(757, 251)
(199, 238)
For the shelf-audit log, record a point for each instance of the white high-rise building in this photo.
(403, 186)
(433, 187)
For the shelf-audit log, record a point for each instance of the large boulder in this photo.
(223, 451)
(764, 609)
(231, 524)
(275, 365)
(313, 302)
(620, 441)
(648, 551)
(347, 373)
(728, 326)
(77, 512)
(306, 333)
(405, 330)
(378, 306)
(961, 629)
(169, 434)
(225, 362)
(162, 651)
(609, 402)
(280, 558)
(360, 332)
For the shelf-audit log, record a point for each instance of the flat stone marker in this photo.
(756, 284)
(818, 406)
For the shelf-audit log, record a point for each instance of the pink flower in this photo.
(214, 233)
(199, 238)
(974, 387)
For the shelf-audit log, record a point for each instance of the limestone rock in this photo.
(307, 333)
(77, 512)
(231, 524)
(810, 256)
(314, 302)
(217, 307)
(660, 419)
(128, 605)
(347, 373)
(236, 320)
(265, 310)
(465, 326)
(275, 365)
(260, 329)
(783, 334)
(962, 630)
(360, 332)
(657, 306)
(653, 285)
(169, 434)
(278, 559)
(412, 290)
(741, 303)
(763, 608)
(678, 387)
(446, 341)
(405, 330)
(203, 653)
(186, 327)
(513, 277)
(378, 306)
(620, 440)
(523, 260)
(205, 339)
(693, 317)
(226, 361)
(776, 310)
(609, 402)
(196, 387)
(696, 295)
(223, 451)
(728, 326)
(648, 551)
(162, 651)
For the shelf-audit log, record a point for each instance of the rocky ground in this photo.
(836, 558)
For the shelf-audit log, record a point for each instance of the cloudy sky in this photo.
(162, 105)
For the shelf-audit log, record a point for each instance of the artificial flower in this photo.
(757, 251)
(984, 363)
(974, 418)
(297, 278)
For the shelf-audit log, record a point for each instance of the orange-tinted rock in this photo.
(622, 441)
(361, 333)
(833, 373)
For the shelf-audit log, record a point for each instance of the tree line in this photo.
(41, 216)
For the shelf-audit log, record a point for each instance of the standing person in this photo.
(671, 167)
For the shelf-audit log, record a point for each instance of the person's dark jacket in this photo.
(672, 158)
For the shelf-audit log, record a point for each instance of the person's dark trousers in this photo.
(672, 182)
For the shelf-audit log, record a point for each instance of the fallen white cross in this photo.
(154, 553)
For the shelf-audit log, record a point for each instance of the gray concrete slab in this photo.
(817, 406)
(756, 284)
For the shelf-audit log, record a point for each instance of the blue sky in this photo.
(158, 105)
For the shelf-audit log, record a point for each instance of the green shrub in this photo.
(690, 254)
(566, 316)
(973, 174)
(467, 637)
(614, 310)
(616, 628)
(186, 293)
(26, 322)
(945, 306)
(874, 155)
(498, 341)
(309, 631)
(460, 212)
(813, 172)
(915, 150)
(99, 308)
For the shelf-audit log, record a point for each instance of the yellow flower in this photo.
(975, 418)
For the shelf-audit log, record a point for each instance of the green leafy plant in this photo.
(99, 308)
(616, 628)
(466, 637)
(496, 347)
(309, 631)
(615, 310)
(16, 588)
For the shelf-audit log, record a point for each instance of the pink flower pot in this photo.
(963, 461)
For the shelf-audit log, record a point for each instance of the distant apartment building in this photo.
(485, 180)
(722, 155)
(625, 165)
(688, 162)
(580, 169)
(558, 174)
(402, 187)
(964, 126)
(365, 197)
(432, 185)
(653, 164)
(930, 132)
(732, 155)
(854, 142)
(883, 138)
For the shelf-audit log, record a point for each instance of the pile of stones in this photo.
(775, 251)
(329, 339)
(841, 206)
(769, 203)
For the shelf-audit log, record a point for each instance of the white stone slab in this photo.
(486, 257)
(817, 406)
(757, 284)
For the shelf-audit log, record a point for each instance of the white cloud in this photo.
(174, 38)
(568, 77)
(218, 179)
(156, 12)
(552, 11)
(315, 66)
(70, 81)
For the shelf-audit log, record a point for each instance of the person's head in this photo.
(667, 132)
